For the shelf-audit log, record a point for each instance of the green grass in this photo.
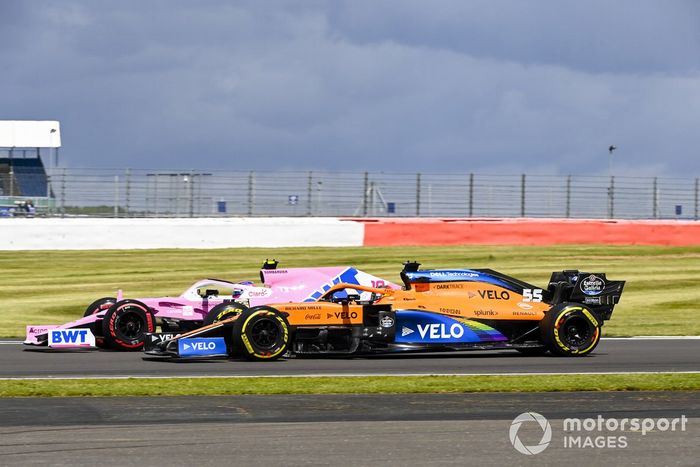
(346, 385)
(47, 287)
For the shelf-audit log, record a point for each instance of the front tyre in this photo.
(99, 305)
(570, 330)
(125, 325)
(260, 333)
(224, 311)
(95, 307)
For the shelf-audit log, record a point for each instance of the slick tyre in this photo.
(99, 305)
(125, 325)
(261, 333)
(224, 311)
(95, 307)
(570, 330)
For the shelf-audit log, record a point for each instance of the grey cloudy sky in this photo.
(485, 86)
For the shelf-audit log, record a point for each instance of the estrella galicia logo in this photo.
(386, 322)
(530, 450)
(592, 285)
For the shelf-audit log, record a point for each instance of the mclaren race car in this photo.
(436, 310)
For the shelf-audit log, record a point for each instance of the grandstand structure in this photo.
(23, 174)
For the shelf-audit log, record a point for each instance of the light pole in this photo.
(611, 194)
(55, 150)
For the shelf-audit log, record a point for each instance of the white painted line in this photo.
(349, 375)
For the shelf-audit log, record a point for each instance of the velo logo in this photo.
(526, 418)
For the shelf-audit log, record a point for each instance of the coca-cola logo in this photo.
(592, 285)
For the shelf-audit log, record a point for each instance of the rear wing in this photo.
(592, 289)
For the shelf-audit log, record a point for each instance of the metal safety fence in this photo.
(178, 193)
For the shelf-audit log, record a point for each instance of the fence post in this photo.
(365, 193)
(655, 200)
(418, 194)
(568, 196)
(127, 193)
(697, 187)
(12, 174)
(611, 198)
(48, 195)
(155, 197)
(309, 193)
(63, 192)
(251, 192)
(471, 194)
(116, 196)
(522, 196)
(191, 193)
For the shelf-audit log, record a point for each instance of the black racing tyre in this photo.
(261, 333)
(94, 308)
(223, 311)
(533, 351)
(571, 330)
(99, 305)
(125, 325)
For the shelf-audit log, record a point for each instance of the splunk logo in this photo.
(530, 418)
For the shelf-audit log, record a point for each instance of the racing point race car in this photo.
(122, 324)
(436, 310)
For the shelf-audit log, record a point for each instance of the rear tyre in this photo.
(261, 333)
(95, 307)
(224, 311)
(125, 325)
(570, 330)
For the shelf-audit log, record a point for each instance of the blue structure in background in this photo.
(28, 177)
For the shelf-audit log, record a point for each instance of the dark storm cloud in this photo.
(592, 36)
(410, 85)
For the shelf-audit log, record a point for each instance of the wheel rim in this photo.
(576, 332)
(130, 325)
(264, 333)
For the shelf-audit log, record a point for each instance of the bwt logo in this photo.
(71, 337)
(526, 418)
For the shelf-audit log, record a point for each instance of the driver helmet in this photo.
(237, 293)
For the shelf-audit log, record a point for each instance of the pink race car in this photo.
(121, 324)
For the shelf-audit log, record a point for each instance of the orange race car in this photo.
(436, 310)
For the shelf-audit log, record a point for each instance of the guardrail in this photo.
(199, 193)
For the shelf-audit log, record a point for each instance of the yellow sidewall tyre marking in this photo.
(249, 346)
(561, 316)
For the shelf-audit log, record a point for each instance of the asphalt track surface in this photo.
(611, 355)
(411, 429)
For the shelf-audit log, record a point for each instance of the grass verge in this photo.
(346, 385)
(53, 287)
